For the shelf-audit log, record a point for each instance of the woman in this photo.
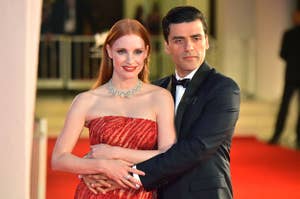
(122, 110)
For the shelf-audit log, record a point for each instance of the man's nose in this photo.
(189, 45)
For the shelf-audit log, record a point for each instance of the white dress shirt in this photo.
(180, 89)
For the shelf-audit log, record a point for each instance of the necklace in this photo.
(123, 93)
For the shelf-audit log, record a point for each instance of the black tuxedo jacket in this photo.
(198, 165)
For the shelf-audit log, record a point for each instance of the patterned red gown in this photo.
(134, 133)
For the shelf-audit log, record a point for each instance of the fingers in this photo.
(131, 182)
(102, 183)
(90, 187)
(136, 182)
(96, 183)
(109, 189)
(98, 177)
(129, 164)
(99, 181)
(114, 186)
(136, 171)
(122, 184)
(125, 182)
(103, 190)
(101, 187)
(95, 188)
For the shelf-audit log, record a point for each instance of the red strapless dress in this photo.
(134, 133)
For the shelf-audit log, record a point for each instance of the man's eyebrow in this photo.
(182, 37)
(177, 37)
(196, 35)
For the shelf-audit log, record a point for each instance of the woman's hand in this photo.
(99, 183)
(120, 171)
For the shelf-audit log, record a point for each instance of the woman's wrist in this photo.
(100, 165)
(116, 152)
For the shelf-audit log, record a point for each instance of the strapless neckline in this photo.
(88, 122)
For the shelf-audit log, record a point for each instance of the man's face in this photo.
(187, 45)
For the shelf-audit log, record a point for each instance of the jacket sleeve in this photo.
(212, 130)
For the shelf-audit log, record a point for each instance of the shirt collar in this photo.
(189, 76)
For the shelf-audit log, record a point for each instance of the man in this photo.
(207, 108)
(290, 54)
(198, 165)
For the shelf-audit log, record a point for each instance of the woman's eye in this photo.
(138, 52)
(121, 51)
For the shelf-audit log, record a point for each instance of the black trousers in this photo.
(289, 90)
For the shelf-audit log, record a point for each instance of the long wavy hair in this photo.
(121, 28)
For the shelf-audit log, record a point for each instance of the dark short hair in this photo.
(182, 14)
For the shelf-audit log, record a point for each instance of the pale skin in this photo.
(151, 102)
(187, 44)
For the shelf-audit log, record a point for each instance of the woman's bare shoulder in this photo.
(83, 96)
(93, 93)
(159, 93)
(87, 97)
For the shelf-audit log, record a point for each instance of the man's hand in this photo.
(103, 151)
(120, 171)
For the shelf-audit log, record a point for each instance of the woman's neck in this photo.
(124, 84)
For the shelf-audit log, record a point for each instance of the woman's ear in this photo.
(108, 49)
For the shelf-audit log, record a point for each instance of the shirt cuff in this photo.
(136, 176)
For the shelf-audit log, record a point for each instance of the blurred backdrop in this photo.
(50, 51)
(244, 36)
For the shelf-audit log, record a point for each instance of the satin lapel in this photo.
(189, 94)
(169, 87)
(172, 89)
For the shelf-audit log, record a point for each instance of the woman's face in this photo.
(128, 54)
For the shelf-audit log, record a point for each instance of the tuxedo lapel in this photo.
(189, 95)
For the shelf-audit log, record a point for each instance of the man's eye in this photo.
(197, 38)
(178, 41)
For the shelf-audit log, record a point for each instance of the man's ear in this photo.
(207, 42)
(108, 50)
(166, 47)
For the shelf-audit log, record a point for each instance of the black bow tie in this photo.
(183, 82)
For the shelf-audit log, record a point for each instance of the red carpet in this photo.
(263, 171)
(259, 171)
